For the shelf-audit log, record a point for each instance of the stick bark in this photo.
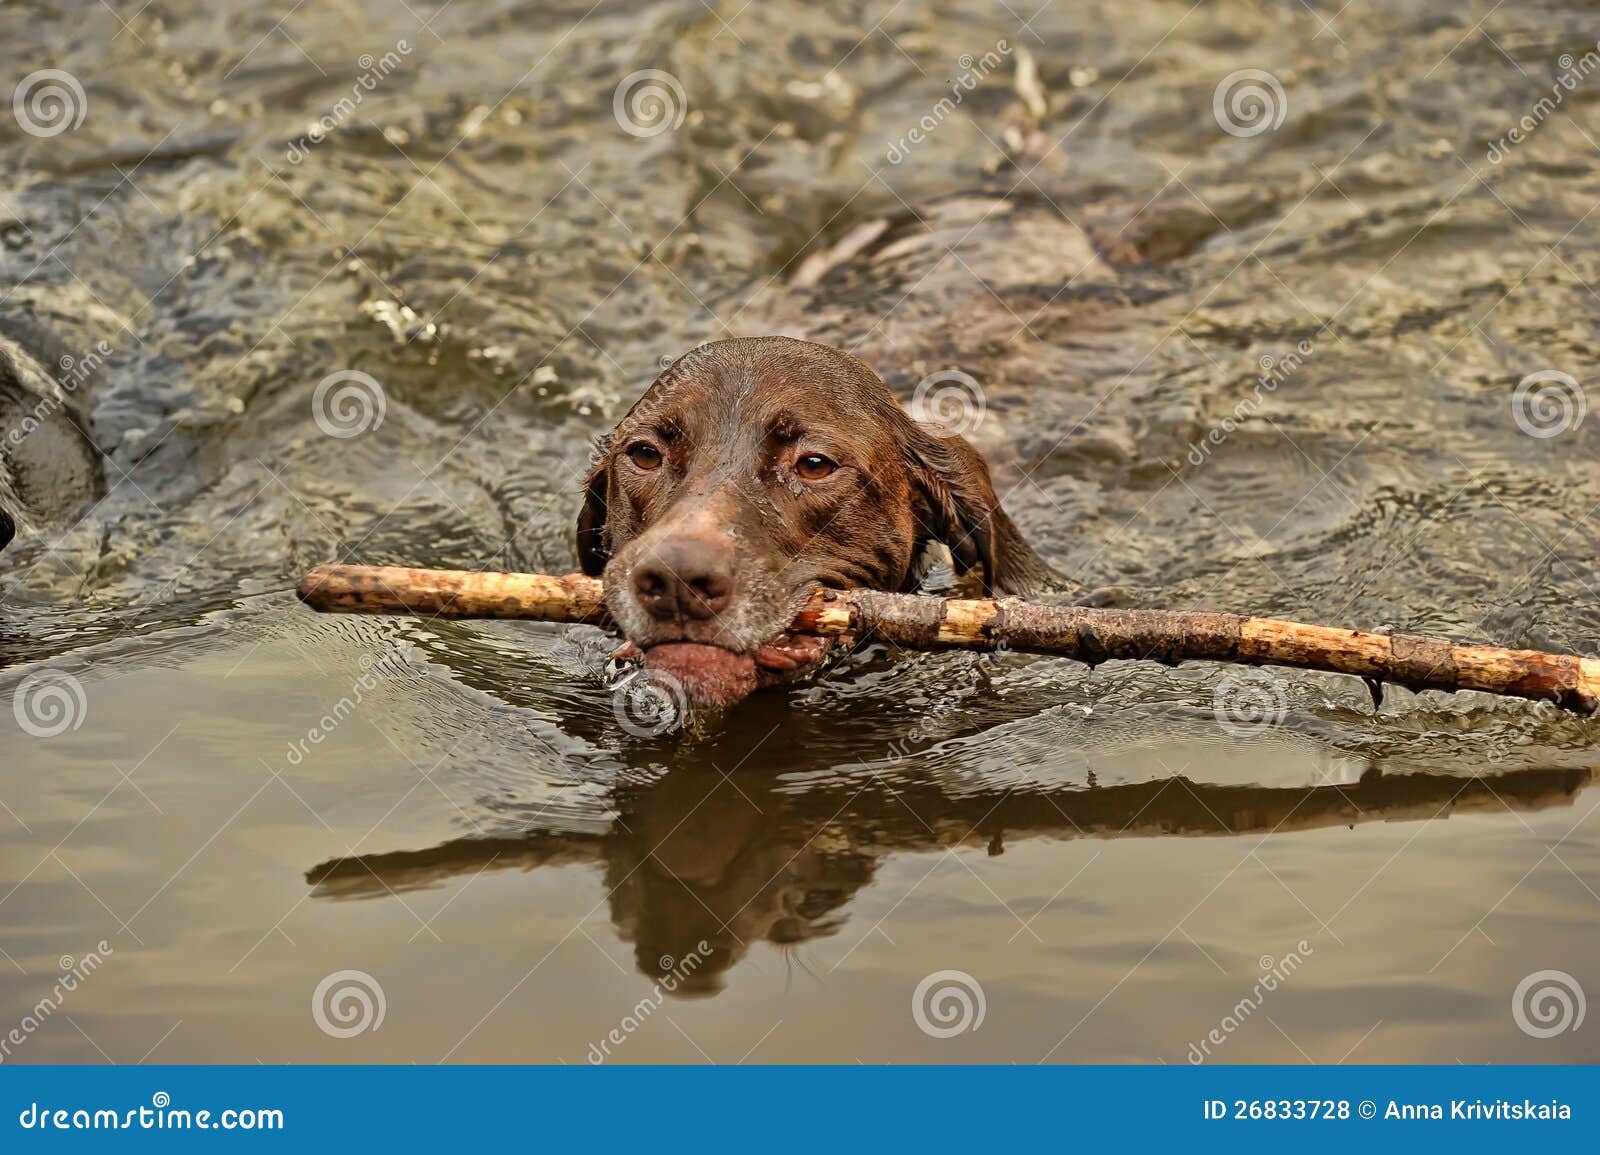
(1085, 634)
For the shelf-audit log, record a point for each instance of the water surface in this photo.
(249, 799)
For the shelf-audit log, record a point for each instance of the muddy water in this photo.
(244, 800)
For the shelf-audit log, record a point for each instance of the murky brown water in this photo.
(1114, 867)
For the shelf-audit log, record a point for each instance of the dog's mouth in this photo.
(712, 677)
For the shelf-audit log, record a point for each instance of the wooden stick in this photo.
(452, 593)
(1088, 635)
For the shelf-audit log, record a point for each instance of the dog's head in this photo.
(753, 471)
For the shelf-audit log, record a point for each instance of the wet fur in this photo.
(728, 415)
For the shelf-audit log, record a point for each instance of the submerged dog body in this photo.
(755, 470)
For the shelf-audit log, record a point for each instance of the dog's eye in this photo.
(644, 455)
(814, 467)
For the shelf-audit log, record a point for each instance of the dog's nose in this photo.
(685, 578)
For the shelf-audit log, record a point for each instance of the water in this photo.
(248, 799)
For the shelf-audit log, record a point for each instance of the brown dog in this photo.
(753, 471)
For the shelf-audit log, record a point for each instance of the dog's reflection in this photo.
(728, 861)
(700, 857)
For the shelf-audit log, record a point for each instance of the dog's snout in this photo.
(685, 577)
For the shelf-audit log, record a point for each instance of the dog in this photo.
(754, 471)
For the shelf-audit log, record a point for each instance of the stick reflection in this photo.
(735, 860)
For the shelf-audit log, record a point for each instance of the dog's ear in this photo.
(958, 507)
(593, 552)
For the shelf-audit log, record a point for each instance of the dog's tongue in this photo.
(708, 676)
